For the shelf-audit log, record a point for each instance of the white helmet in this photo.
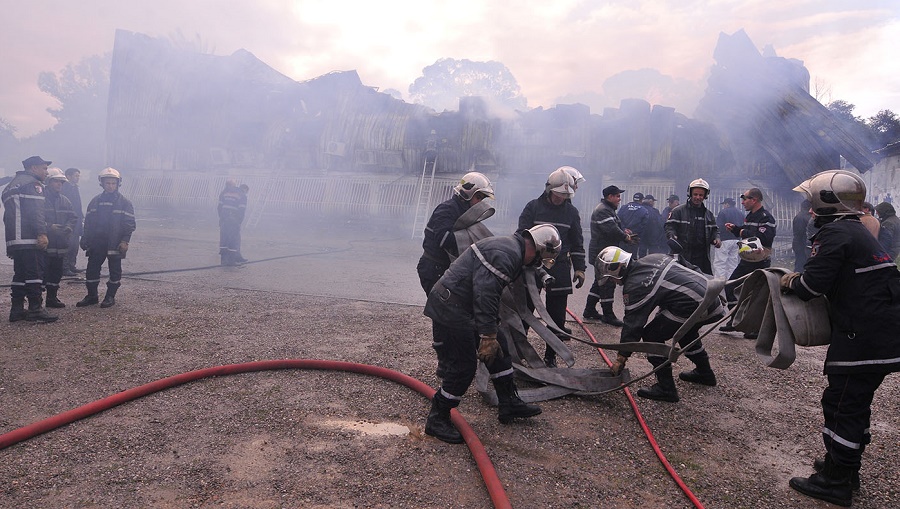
(837, 193)
(803, 187)
(56, 174)
(471, 183)
(575, 174)
(109, 173)
(751, 249)
(702, 184)
(547, 243)
(561, 182)
(611, 263)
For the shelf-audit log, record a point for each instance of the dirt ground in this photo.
(327, 439)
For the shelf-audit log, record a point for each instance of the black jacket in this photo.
(606, 229)
(439, 242)
(23, 212)
(108, 222)
(861, 281)
(73, 193)
(61, 222)
(567, 221)
(472, 286)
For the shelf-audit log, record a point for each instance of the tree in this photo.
(886, 127)
(856, 126)
(8, 147)
(444, 82)
(82, 90)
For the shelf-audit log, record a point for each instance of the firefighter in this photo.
(635, 218)
(606, 230)
(691, 228)
(108, 225)
(862, 286)
(464, 309)
(26, 239)
(554, 207)
(759, 224)
(232, 207)
(658, 282)
(61, 223)
(439, 243)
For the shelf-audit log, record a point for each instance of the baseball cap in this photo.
(729, 201)
(608, 190)
(638, 196)
(35, 161)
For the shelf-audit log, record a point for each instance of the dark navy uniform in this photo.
(635, 217)
(109, 221)
(72, 192)
(439, 242)
(23, 219)
(759, 224)
(465, 304)
(231, 208)
(606, 230)
(61, 223)
(567, 221)
(861, 281)
(695, 229)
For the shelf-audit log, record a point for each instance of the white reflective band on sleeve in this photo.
(490, 267)
(875, 267)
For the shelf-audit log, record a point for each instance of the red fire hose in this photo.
(491, 480)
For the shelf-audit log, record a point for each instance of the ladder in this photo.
(423, 205)
(259, 207)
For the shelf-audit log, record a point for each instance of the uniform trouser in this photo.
(726, 258)
(699, 256)
(847, 408)
(662, 328)
(72, 253)
(95, 261)
(604, 294)
(743, 268)
(229, 238)
(457, 354)
(29, 266)
(54, 271)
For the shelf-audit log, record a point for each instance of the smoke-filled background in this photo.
(596, 53)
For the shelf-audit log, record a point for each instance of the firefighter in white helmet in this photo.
(108, 225)
(691, 228)
(554, 207)
(464, 307)
(861, 282)
(61, 223)
(660, 287)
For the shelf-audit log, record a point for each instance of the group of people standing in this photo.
(45, 227)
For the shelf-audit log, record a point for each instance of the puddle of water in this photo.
(371, 428)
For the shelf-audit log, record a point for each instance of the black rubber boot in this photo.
(819, 465)
(550, 357)
(664, 388)
(831, 484)
(438, 423)
(52, 300)
(590, 310)
(36, 312)
(609, 317)
(109, 300)
(92, 296)
(17, 311)
(702, 374)
(510, 405)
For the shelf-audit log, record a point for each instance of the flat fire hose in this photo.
(781, 319)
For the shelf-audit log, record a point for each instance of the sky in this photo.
(559, 51)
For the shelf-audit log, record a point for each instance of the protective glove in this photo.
(42, 241)
(489, 348)
(578, 279)
(123, 247)
(675, 246)
(787, 281)
(717, 243)
(617, 366)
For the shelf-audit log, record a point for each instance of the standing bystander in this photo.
(71, 191)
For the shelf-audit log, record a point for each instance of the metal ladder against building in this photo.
(423, 205)
(259, 206)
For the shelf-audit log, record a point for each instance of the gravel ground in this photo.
(324, 439)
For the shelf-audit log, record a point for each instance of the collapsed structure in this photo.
(182, 112)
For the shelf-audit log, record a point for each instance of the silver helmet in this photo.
(561, 182)
(837, 193)
(574, 173)
(471, 183)
(547, 243)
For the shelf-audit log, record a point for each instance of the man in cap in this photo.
(726, 259)
(654, 238)
(606, 230)
(26, 239)
(672, 202)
